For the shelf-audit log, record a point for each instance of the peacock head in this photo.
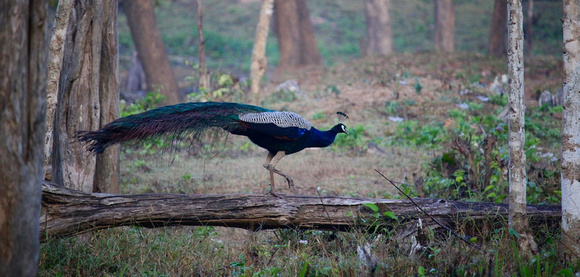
(339, 128)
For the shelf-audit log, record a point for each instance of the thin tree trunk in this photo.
(517, 162)
(23, 59)
(379, 35)
(571, 130)
(55, 55)
(259, 62)
(529, 22)
(89, 71)
(444, 25)
(203, 74)
(69, 212)
(150, 49)
(135, 84)
(498, 29)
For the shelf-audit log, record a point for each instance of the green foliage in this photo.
(472, 163)
(319, 115)
(354, 142)
(499, 99)
(333, 90)
(222, 88)
(418, 87)
(410, 132)
(392, 108)
(150, 101)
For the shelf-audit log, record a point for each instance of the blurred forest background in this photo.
(339, 27)
(230, 26)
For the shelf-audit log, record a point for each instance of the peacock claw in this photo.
(271, 192)
(290, 183)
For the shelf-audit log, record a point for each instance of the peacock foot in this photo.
(271, 192)
(290, 182)
(287, 177)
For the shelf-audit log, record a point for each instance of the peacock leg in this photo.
(271, 162)
(267, 166)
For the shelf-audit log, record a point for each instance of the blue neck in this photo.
(321, 138)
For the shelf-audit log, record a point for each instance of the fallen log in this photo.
(68, 212)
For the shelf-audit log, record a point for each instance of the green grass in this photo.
(209, 251)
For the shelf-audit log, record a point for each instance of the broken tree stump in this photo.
(68, 212)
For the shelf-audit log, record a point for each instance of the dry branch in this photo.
(68, 212)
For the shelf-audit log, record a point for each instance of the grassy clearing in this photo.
(438, 98)
(370, 92)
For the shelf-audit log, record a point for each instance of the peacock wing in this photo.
(282, 125)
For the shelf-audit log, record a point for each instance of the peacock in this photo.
(280, 132)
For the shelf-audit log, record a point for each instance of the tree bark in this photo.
(107, 173)
(444, 25)
(296, 40)
(150, 49)
(23, 72)
(259, 62)
(69, 212)
(55, 56)
(379, 36)
(287, 33)
(498, 29)
(571, 130)
(516, 112)
(88, 97)
(309, 54)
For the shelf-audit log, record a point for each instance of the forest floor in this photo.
(379, 95)
(375, 94)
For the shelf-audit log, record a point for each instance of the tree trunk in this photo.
(23, 59)
(107, 174)
(296, 40)
(528, 24)
(287, 33)
(150, 49)
(55, 55)
(135, 85)
(69, 212)
(309, 54)
(497, 31)
(444, 25)
(379, 36)
(203, 74)
(571, 130)
(259, 61)
(88, 97)
(517, 156)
